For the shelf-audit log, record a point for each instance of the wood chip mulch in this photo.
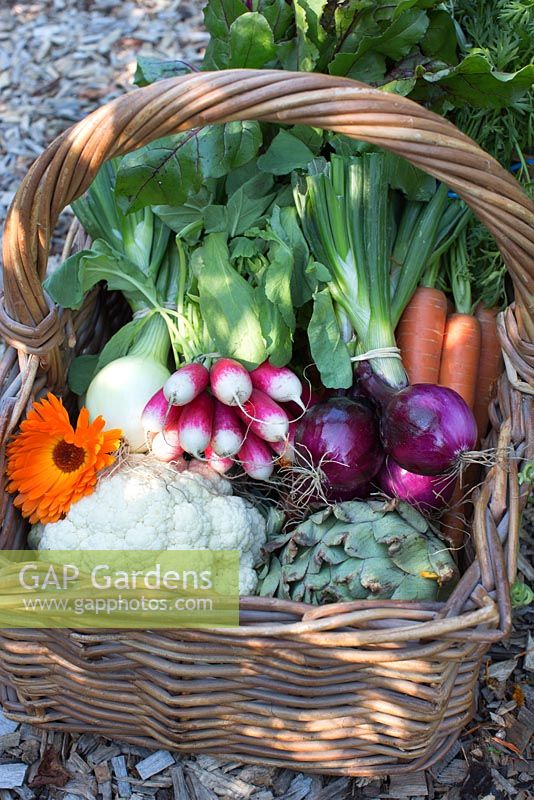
(62, 59)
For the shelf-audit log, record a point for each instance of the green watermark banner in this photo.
(119, 589)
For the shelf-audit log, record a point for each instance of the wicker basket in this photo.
(362, 688)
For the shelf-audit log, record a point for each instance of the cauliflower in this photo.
(146, 505)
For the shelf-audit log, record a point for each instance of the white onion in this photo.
(121, 390)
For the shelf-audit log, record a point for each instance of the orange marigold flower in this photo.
(52, 465)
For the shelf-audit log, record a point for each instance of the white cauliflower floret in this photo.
(230, 523)
(248, 580)
(190, 525)
(148, 506)
(257, 523)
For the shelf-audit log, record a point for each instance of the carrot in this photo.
(419, 334)
(460, 356)
(490, 366)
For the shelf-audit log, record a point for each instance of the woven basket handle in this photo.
(65, 170)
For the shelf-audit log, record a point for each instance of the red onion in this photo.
(371, 385)
(341, 438)
(427, 492)
(427, 428)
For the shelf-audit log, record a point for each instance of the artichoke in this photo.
(358, 550)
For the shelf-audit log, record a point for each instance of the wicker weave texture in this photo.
(363, 688)
(292, 703)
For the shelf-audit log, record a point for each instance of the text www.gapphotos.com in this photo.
(113, 605)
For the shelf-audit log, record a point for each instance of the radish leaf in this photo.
(220, 14)
(150, 70)
(227, 303)
(68, 284)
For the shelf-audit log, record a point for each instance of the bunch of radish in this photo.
(226, 415)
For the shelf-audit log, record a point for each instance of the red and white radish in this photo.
(165, 445)
(279, 383)
(186, 383)
(196, 424)
(309, 399)
(158, 414)
(227, 431)
(256, 458)
(230, 382)
(219, 463)
(264, 417)
(286, 449)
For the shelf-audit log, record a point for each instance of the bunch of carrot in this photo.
(455, 348)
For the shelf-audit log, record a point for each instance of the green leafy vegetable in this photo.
(149, 70)
(412, 182)
(247, 204)
(500, 33)
(301, 53)
(81, 373)
(251, 42)
(220, 14)
(439, 41)
(79, 273)
(227, 303)
(278, 14)
(277, 282)
(186, 220)
(172, 170)
(330, 353)
(276, 332)
(285, 154)
(166, 171)
(475, 82)
(218, 18)
(394, 42)
(226, 147)
(134, 254)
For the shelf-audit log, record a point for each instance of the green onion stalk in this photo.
(346, 208)
(419, 247)
(187, 330)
